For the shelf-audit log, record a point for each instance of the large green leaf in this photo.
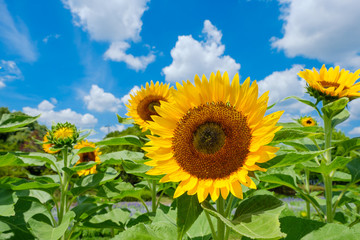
(119, 190)
(8, 199)
(12, 123)
(23, 184)
(296, 228)
(283, 179)
(82, 166)
(44, 231)
(200, 230)
(87, 209)
(341, 117)
(119, 157)
(93, 180)
(154, 231)
(125, 140)
(188, 210)
(260, 221)
(290, 134)
(291, 158)
(346, 146)
(354, 168)
(10, 160)
(333, 231)
(116, 218)
(334, 108)
(338, 162)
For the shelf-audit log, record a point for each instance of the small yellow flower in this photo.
(63, 133)
(88, 157)
(303, 214)
(331, 84)
(142, 104)
(307, 121)
(211, 136)
(46, 146)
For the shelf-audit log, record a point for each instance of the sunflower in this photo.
(211, 137)
(63, 134)
(331, 84)
(88, 157)
(46, 146)
(142, 104)
(307, 121)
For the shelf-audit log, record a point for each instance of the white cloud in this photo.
(327, 30)
(117, 52)
(355, 131)
(9, 71)
(101, 101)
(354, 107)
(125, 99)
(48, 37)
(282, 84)
(192, 57)
(108, 129)
(115, 21)
(15, 36)
(48, 115)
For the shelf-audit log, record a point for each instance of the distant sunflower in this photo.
(46, 146)
(142, 104)
(88, 157)
(211, 136)
(63, 134)
(331, 84)
(307, 121)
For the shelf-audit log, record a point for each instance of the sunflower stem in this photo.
(63, 188)
(213, 233)
(153, 196)
(327, 178)
(220, 224)
(307, 189)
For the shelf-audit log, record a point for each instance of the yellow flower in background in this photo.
(332, 83)
(88, 157)
(211, 136)
(307, 121)
(46, 146)
(142, 104)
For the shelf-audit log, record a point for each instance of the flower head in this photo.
(142, 104)
(331, 84)
(211, 136)
(88, 157)
(307, 121)
(46, 146)
(63, 134)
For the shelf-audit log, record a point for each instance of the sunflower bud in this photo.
(63, 134)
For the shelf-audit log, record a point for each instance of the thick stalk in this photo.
(307, 189)
(213, 233)
(153, 196)
(228, 214)
(220, 225)
(326, 177)
(63, 188)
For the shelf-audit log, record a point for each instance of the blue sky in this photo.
(77, 60)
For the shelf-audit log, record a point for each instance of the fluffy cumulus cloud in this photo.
(327, 30)
(192, 57)
(15, 36)
(125, 99)
(100, 101)
(282, 84)
(9, 71)
(108, 129)
(49, 115)
(115, 21)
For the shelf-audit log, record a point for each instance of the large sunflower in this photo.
(212, 136)
(331, 84)
(88, 157)
(142, 104)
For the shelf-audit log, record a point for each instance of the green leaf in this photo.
(354, 168)
(12, 123)
(282, 179)
(93, 180)
(23, 184)
(291, 158)
(119, 190)
(288, 134)
(297, 228)
(263, 222)
(82, 166)
(333, 231)
(346, 146)
(188, 210)
(341, 177)
(116, 218)
(10, 160)
(120, 156)
(44, 231)
(302, 100)
(200, 230)
(154, 231)
(8, 199)
(86, 210)
(338, 162)
(125, 140)
(124, 120)
(334, 108)
(341, 117)
(86, 149)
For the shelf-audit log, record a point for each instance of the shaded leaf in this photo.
(12, 123)
(8, 199)
(188, 210)
(125, 140)
(334, 108)
(296, 228)
(341, 117)
(338, 162)
(354, 168)
(333, 231)
(116, 218)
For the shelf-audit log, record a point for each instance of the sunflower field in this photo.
(213, 162)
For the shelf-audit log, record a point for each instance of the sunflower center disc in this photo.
(326, 84)
(209, 138)
(211, 141)
(146, 107)
(308, 121)
(87, 157)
